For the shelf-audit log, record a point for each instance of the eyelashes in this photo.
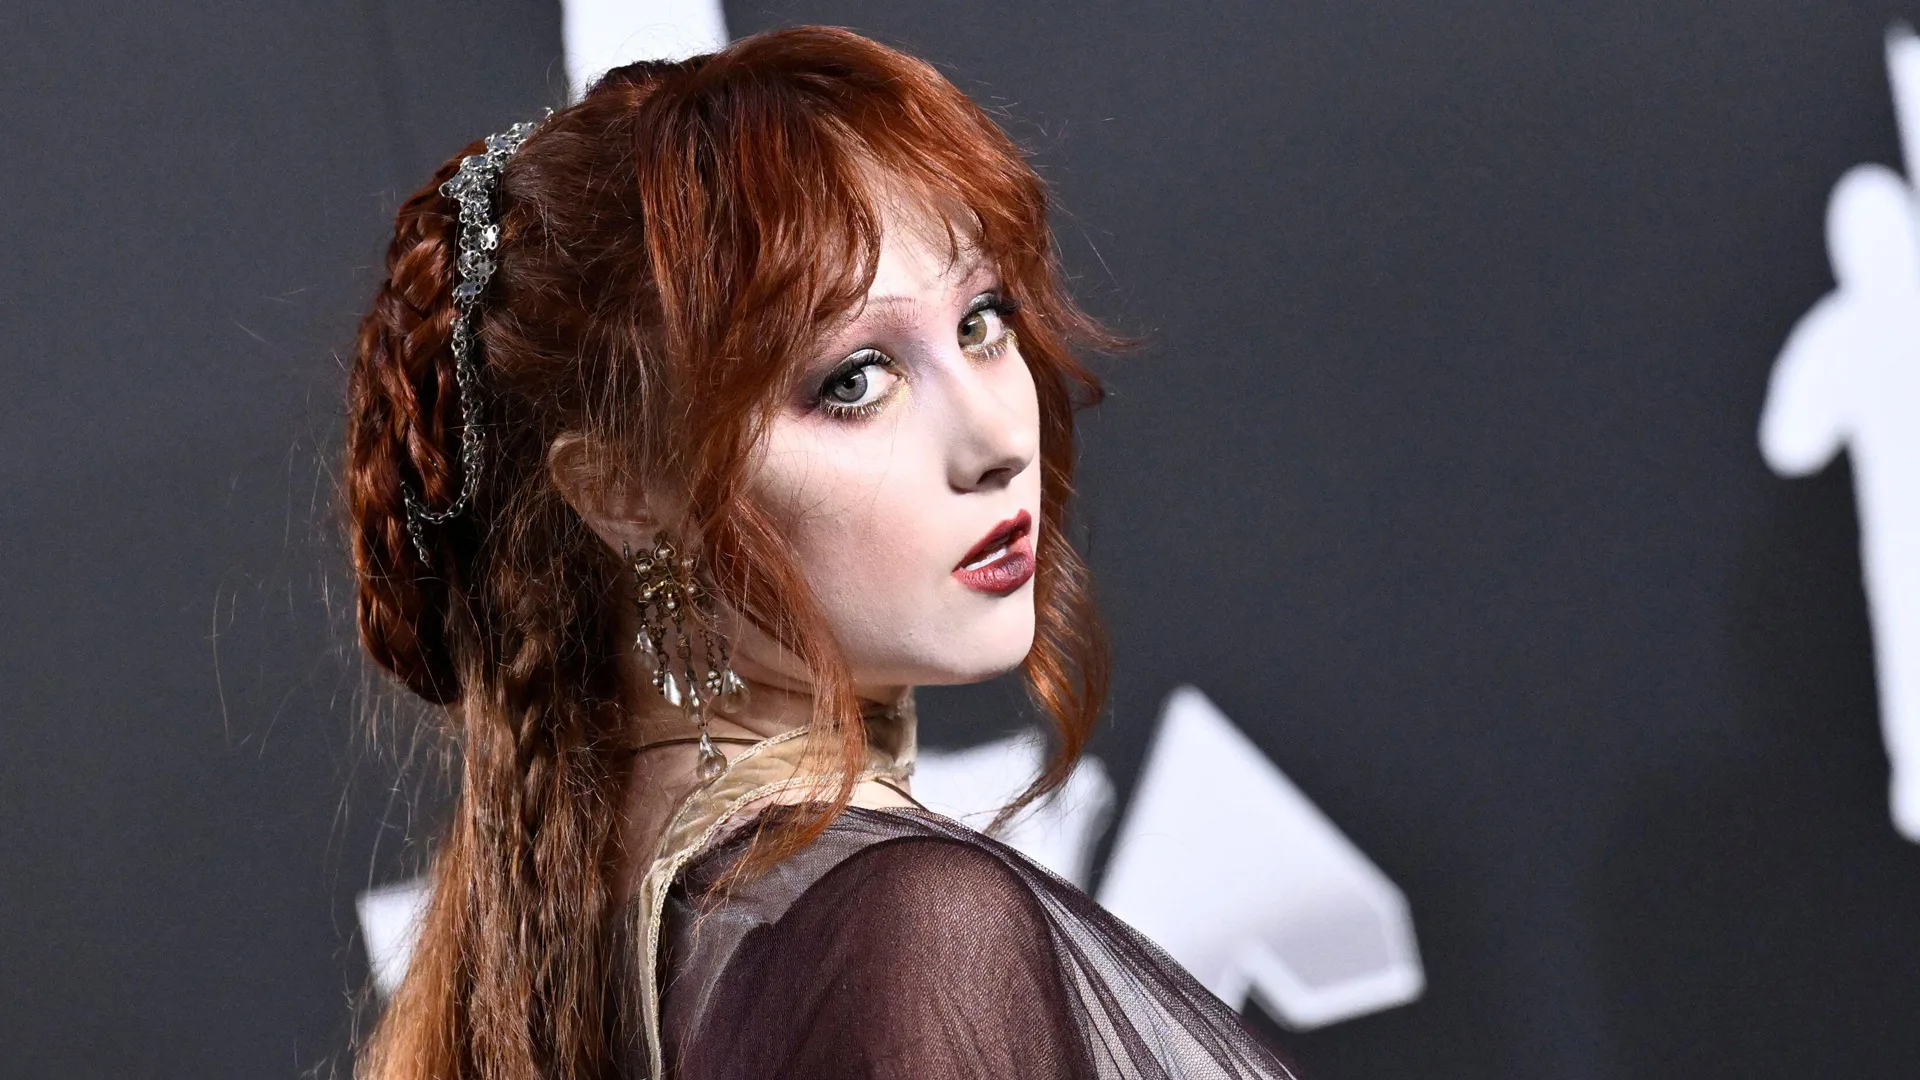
(983, 329)
(861, 384)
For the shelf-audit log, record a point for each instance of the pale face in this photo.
(905, 471)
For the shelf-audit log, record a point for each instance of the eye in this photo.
(983, 330)
(860, 385)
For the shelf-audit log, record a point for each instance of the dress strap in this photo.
(894, 786)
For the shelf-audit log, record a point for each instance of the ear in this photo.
(608, 499)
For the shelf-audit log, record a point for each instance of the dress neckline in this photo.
(721, 805)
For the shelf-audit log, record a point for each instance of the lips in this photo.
(1003, 559)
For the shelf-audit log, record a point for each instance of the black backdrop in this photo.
(1438, 474)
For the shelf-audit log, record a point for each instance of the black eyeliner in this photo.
(855, 360)
(995, 300)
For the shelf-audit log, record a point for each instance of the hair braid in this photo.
(396, 438)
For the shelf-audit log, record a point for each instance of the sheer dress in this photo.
(900, 944)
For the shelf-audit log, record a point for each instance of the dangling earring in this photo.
(664, 588)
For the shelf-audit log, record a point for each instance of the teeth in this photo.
(984, 560)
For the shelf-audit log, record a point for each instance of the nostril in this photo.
(996, 477)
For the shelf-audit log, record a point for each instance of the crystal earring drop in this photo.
(651, 594)
(665, 586)
(725, 689)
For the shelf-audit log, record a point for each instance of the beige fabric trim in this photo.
(766, 768)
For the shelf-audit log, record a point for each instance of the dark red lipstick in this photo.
(1003, 559)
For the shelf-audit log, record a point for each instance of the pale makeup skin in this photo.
(909, 444)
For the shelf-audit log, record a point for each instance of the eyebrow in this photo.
(960, 273)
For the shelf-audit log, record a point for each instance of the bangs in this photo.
(782, 237)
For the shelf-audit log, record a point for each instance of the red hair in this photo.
(671, 248)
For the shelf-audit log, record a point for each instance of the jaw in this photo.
(981, 637)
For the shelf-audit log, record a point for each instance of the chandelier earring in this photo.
(669, 594)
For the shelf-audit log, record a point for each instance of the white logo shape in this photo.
(1849, 376)
(1230, 868)
(390, 925)
(1058, 832)
(600, 35)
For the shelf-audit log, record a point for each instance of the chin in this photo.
(978, 653)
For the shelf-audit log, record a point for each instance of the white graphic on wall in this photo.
(1849, 377)
(1221, 860)
(389, 926)
(600, 35)
(1229, 867)
(1059, 833)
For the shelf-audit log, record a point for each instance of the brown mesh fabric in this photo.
(901, 944)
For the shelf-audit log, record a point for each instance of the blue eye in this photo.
(859, 385)
(850, 388)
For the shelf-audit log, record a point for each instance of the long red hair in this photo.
(671, 247)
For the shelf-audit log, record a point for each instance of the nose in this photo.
(996, 427)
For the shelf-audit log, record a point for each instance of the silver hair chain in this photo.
(472, 187)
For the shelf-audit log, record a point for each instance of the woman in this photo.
(692, 428)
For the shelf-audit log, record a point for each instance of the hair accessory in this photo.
(472, 187)
(664, 588)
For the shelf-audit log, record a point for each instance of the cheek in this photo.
(876, 528)
(859, 509)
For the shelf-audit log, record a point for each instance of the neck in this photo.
(773, 706)
(775, 703)
(666, 773)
